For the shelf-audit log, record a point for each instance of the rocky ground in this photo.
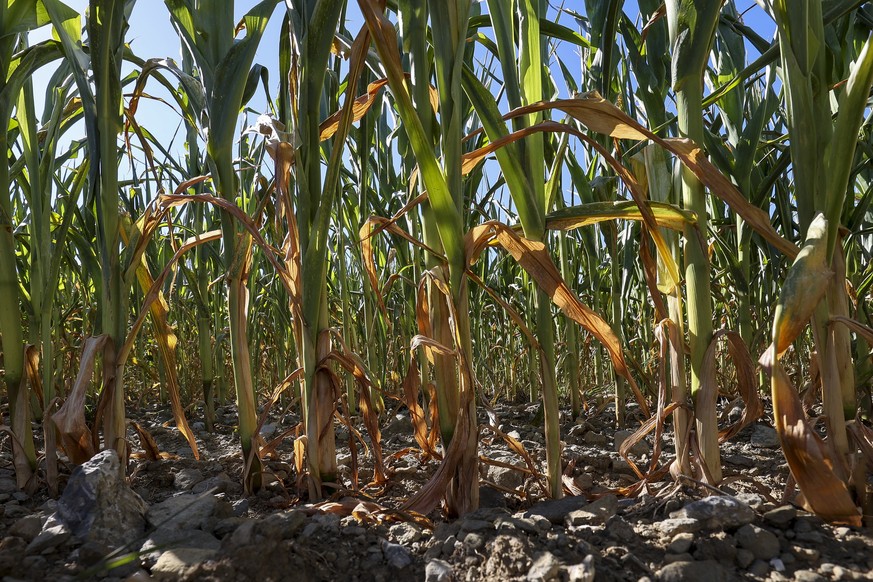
(189, 520)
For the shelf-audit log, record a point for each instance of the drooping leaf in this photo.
(533, 258)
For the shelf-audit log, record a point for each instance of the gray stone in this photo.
(449, 545)
(621, 466)
(252, 532)
(544, 569)
(759, 568)
(226, 526)
(8, 486)
(555, 510)
(13, 510)
(584, 572)
(765, 437)
(744, 558)
(811, 537)
(781, 516)
(717, 512)
(753, 500)
(98, 506)
(806, 524)
(405, 533)
(53, 534)
(240, 507)
(474, 541)
(530, 524)
(617, 528)
(490, 497)
(595, 438)
(579, 429)
(504, 477)
(179, 563)
(187, 478)
(806, 554)
(584, 481)
(185, 511)
(762, 543)
(476, 525)
(808, 576)
(739, 460)
(165, 538)
(671, 527)
(26, 528)
(708, 570)
(220, 483)
(438, 571)
(680, 543)
(639, 449)
(397, 556)
(595, 513)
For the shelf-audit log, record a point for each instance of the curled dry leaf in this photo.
(166, 339)
(375, 225)
(353, 364)
(31, 369)
(811, 460)
(411, 388)
(76, 438)
(533, 258)
(814, 464)
(805, 285)
(601, 116)
(747, 385)
(152, 452)
(572, 217)
(637, 192)
(362, 105)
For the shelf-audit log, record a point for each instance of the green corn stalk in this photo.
(314, 25)
(37, 181)
(106, 26)
(208, 30)
(692, 31)
(449, 28)
(804, 61)
(524, 85)
(15, 18)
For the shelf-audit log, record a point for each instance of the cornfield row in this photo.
(421, 217)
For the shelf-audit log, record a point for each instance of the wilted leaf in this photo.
(533, 257)
(601, 116)
(76, 438)
(152, 452)
(637, 193)
(166, 340)
(811, 460)
(747, 383)
(805, 285)
(411, 388)
(353, 364)
(573, 217)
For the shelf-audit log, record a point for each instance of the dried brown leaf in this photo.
(533, 257)
(76, 438)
